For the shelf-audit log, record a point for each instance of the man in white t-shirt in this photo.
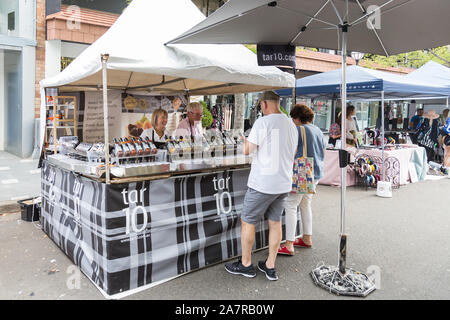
(274, 138)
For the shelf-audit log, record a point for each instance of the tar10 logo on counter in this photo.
(221, 186)
(132, 199)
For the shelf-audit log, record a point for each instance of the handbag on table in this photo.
(303, 170)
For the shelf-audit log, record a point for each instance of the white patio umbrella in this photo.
(383, 27)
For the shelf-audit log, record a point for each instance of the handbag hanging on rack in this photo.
(303, 171)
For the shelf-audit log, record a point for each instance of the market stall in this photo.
(371, 85)
(412, 162)
(129, 213)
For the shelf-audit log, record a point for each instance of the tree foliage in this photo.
(207, 116)
(414, 59)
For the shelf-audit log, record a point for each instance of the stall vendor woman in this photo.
(158, 132)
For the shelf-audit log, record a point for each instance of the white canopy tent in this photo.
(436, 73)
(139, 60)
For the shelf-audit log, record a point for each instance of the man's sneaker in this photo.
(238, 268)
(271, 274)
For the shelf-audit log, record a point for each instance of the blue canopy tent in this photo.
(366, 84)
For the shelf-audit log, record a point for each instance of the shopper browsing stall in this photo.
(158, 132)
(303, 115)
(274, 139)
(351, 130)
(443, 117)
(415, 124)
(446, 142)
(428, 133)
(335, 131)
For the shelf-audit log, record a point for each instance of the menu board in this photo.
(93, 125)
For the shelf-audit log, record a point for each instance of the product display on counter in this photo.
(130, 156)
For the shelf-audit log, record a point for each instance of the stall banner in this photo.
(126, 236)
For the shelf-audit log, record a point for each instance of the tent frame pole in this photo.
(294, 90)
(104, 58)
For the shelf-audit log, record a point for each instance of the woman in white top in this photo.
(351, 126)
(158, 132)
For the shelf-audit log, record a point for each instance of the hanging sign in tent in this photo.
(93, 128)
(276, 55)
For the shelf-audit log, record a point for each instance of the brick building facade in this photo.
(40, 52)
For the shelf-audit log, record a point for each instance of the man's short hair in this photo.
(302, 112)
(269, 96)
(194, 106)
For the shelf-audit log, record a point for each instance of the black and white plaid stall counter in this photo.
(129, 236)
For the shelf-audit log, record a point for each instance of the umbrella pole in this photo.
(343, 236)
(105, 58)
(340, 280)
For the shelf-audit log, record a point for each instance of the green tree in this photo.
(207, 116)
(414, 59)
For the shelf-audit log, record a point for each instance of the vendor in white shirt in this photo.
(158, 132)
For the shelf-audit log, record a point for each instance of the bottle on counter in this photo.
(118, 150)
(145, 146)
(138, 146)
(170, 145)
(125, 147)
(133, 151)
(186, 144)
(152, 145)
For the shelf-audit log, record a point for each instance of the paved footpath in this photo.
(19, 178)
(405, 237)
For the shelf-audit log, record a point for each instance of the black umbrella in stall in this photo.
(382, 27)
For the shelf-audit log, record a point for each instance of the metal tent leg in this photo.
(105, 58)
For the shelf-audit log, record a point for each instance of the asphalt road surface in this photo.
(404, 242)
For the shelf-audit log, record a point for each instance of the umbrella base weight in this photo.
(353, 283)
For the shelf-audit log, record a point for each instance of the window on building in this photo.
(322, 113)
(9, 17)
(18, 20)
(112, 6)
(11, 21)
(65, 61)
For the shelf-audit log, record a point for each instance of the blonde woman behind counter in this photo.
(158, 132)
